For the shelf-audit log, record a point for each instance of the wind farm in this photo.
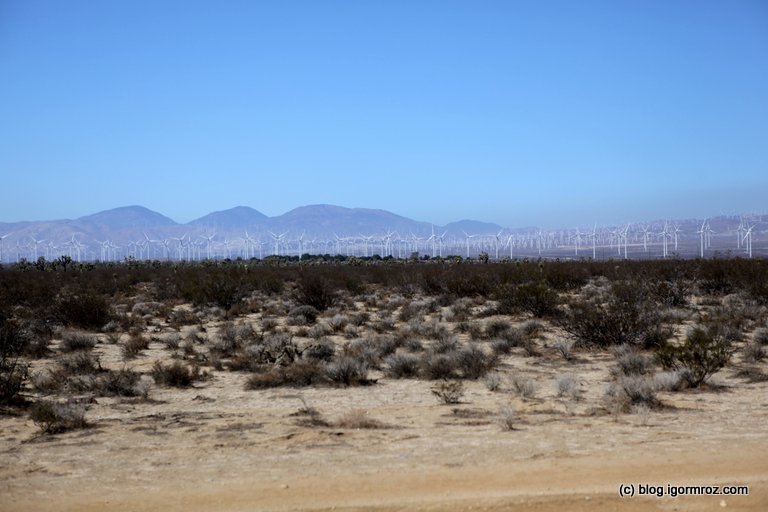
(373, 234)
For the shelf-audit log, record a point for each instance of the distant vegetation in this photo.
(339, 322)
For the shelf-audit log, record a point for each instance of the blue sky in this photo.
(517, 112)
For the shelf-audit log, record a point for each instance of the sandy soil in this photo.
(217, 447)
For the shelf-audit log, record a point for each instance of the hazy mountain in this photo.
(325, 220)
(238, 219)
(126, 217)
(128, 225)
(472, 227)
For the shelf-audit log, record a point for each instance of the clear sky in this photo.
(553, 113)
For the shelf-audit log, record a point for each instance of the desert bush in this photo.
(401, 366)
(631, 362)
(754, 352)
(473, 362)
(85, 309)
(435, 366)
(172, 341)
(359, 419)
(79, 363)
(299, 374)
(445, 344)
(631, 391)
(176, 374)
(308, 313)
(319, 330)
(760, 336)
(72, 341)
(525, 388)
(672, 293)
(347, 371)
(669, 381)
(313, 290)
(567, 385)
(701, 355)
(372, 350)
(536, 298)
(322, 350)
(134, 345)
(13, 374)
(150, 308)
(565, 349)
(181, 317)
(496, 329)
(493, 381)
(338, 322)
(626, 317)
(53, 417)
(123, 382)
(507, 418)
(449, 391)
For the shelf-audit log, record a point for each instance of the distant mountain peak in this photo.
(128, 217)
(239, 217)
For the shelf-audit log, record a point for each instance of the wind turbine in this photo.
(209, 241)
(748, 240)
(278, 239)
(36, 242)
(577, 238)
(440, 240)
(497, 241)
(593, 236)
(433, 238)
(1, 245)
(511, 244)
(468, 238)
(702, 235)
(645, 238)
(740, 232)
(103, 249)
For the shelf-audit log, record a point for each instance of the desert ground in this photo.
(540, 429)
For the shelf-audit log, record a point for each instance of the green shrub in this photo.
(85, 309)
(701, 355)
(536, 298)
(626, 317)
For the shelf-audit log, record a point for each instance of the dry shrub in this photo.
(449, 391)
(754, 352)
(473, 362)
(299, 374)
(525, 388)
(347, 371)
(359, 419)
(631, 391)
(134, 345)
(73, 341)
(54, 418)
(567, 385)
(437, 366)
(401, 366)
(631, 362)
(176, 374)
(508, 418)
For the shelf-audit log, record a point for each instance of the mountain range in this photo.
(323, 221)
(322, 227)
